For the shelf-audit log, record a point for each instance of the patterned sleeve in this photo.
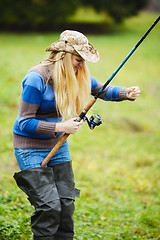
(110, 93)
(32, 93)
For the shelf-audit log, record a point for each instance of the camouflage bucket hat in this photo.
(76, 43)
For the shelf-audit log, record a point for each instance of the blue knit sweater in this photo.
(37, 115)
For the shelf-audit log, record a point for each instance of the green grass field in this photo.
(117, 165)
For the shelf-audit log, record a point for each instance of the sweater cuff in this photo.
(46, 128)
(122, 93)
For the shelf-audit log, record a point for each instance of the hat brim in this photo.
(87, 52)
(88, 56)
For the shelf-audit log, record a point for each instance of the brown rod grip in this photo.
(54, 150)
(63, 139)
(90, 104)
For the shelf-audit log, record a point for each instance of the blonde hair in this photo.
(71, 90)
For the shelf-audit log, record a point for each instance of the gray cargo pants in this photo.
(51, 190)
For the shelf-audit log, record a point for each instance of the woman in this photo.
(58, 87)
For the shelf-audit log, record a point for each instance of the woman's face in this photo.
(77, 62)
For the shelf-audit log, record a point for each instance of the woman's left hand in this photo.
(133, 93)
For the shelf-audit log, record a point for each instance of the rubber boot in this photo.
(39, 185)
(64, 180)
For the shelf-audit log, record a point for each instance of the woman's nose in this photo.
(81, 64)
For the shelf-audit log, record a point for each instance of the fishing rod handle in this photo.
(90, 104)
(65, 136)
(54, 150)
(86, 109)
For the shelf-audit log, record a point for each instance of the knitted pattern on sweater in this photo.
(34, 127)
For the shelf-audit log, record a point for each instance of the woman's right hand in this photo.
(70, 126)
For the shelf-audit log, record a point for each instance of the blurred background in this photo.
(84, 15)
(117, 164)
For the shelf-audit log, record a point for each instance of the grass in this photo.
(117, 164)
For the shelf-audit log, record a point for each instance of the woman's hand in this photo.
(70, 126)
(133, 93)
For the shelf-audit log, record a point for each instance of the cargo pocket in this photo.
(67, 189)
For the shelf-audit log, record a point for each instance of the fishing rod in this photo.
(95, 121)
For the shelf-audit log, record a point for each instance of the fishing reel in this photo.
(93, 121)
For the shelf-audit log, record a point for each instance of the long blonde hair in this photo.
(71, 90)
